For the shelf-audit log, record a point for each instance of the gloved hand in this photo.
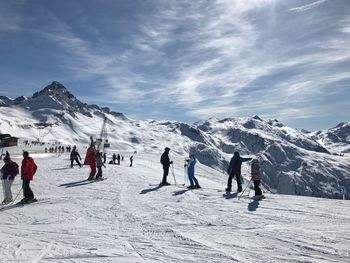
(228, 171)
(171, 162)
(11, 177)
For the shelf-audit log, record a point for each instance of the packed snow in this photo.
(128, 218)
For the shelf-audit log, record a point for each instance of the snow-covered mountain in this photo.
(293, 161)
(336, 139)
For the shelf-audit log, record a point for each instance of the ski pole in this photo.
(172, 170)
(244, 189)
(20, 190)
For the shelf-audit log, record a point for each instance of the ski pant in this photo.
(192, 179)
(6, 184)
(71, 162)
(99, 172)
(165, 173)
(238, 178)
(93, 169)
(27, 192)
(257, 188)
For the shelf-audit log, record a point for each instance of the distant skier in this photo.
(104, 157)
(8, 171)
(165, 161)
(28, 170)
(234, 170)
(118, 158)
(114, 158)
(99, 164)
(131, 160)
(90, 160)
(190, 171)
(256, 177)
(74, 155)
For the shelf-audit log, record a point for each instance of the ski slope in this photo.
(127, 218)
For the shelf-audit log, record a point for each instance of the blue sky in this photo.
(185, 60)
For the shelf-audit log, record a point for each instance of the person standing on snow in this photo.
(190, 171)
(90, 160)
(74, 155)
(256, 177)
(131, 160)
(118, 159)
(8, 171)
(234, 170)
(165, 161)
(28, 170)
(99, 164)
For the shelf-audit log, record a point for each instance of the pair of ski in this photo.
(82, 182)
(8, 206)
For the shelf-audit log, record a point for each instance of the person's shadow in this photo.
(253, 205)
(180, 192)
(145, 191)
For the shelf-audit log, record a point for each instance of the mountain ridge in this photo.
(292, 161)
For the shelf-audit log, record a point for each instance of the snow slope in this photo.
(292, 161)
(125, 219)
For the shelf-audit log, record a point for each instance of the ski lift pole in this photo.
(245, 189)
(172, 171)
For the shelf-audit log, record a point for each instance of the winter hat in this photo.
(167, 149)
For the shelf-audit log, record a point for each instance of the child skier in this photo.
(256, 177)
(190, 171)
(99, 164)
(8, 171)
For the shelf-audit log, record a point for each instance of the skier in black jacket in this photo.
(165, 161)
(74, 155)
(234, 170)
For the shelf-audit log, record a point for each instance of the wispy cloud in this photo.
(207, 58)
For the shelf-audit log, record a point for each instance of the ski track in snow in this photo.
(123, 219)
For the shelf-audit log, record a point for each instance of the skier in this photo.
(190, 171)
(8, 171)
(118, 158)
(131, 160)
(256, 177)
(99, 164)
(114, 157)
(104, 157)
(165, 161)
(28, 170)
(74, 155)
(234, 170)
(90, 160)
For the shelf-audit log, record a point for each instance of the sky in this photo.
(185, 60)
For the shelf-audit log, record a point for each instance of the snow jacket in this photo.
(74, 155)
(164, 159)
(191, 164)
(236, 163)
(255, 170)
(28, 168)
(90, 156)
(99, 161)
(9, 170)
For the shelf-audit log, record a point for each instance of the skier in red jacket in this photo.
(90, 160)
(28, 170)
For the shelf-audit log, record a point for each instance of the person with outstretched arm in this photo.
(234, 170)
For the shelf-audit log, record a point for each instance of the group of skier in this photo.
(234, 171)
(10, 170)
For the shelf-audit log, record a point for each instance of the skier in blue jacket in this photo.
(234, 170)
(190, 171)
